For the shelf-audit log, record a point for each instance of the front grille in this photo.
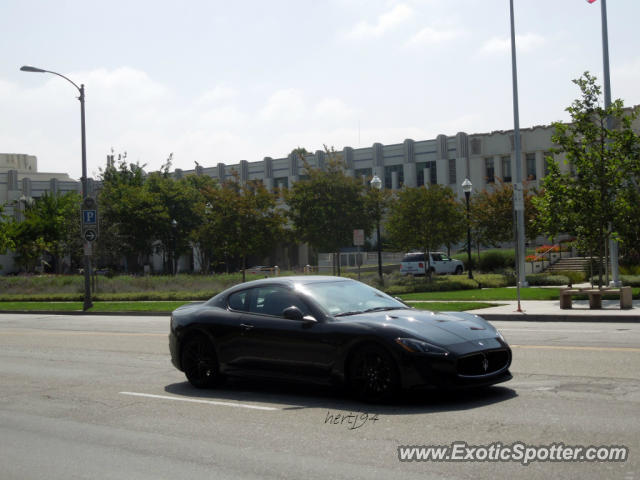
(483, 363)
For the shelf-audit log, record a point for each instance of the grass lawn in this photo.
(159, 307)
(452, 306)
(487, 294)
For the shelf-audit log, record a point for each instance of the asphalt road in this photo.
(96, 397)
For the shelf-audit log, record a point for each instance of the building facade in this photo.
(21, 183)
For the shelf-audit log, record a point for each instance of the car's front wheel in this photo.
(200, 363)
(373, 375)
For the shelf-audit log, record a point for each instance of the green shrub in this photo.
(437, 284)
(630, 269)
(496, 260)
(494, 280)
(574, 276)
(540, 279)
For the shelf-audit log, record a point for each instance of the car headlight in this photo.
(418, 346)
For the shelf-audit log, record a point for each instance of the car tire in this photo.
(458, 270)
(200, 364)
(373, 375)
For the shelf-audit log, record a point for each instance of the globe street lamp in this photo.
(377, 184)
(87, 261)
(466, 188)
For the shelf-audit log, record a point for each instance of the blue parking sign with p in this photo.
(89, 217)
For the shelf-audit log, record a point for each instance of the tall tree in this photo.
(592, 198)
(51, 226)
(327, 205)
(421, 218)
(6, 242)
(492, 214)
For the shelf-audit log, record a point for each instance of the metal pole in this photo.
(87, 259)
(467, 195)
(613, 245)
(518, 158)
(379, 248)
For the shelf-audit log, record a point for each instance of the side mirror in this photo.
(294, 313)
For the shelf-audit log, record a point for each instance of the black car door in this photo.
(283, 347)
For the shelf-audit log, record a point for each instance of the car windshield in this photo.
(341, 298)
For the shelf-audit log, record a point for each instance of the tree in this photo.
(327, 206)
(129, 213)
(491, 215)
(51, 226)
(6, 242)
(421, 218)
(592, 200)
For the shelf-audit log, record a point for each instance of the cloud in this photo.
(284, 104)
(432, 36)
(524, 43)
(384, 23)
(333, 108)
(217, 94)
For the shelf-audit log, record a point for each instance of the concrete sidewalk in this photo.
(549, 311)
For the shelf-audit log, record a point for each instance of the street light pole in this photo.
(87, 304)
(377, 184)
(466, 188)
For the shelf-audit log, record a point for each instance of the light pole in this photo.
(87, 260)
(174, 227)
(377, 184)
(466, 188)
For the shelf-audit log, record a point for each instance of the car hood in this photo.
(443, 328)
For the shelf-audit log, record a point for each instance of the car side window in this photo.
(239, 301)
(274, 300)
(436, 257)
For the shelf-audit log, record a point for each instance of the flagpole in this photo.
(518, 203)
(613, 245)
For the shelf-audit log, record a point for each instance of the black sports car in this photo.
(333, 330)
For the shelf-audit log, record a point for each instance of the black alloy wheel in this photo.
(200, 364)
(373, 375)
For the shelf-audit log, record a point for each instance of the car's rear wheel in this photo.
(373, 375)
(458, 270)
(200, 363)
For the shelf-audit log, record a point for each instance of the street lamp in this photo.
(87, 260)
(377, 184)
(466, 188)
(174, 226)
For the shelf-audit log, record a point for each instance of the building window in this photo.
(281, 182)
(531, 166)
(506, 169)
(387, 175)
(365, 173)
(433, 173)
(476, 146)
(489, 169)
(452, 172)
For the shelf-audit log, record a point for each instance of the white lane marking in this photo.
(193, 400)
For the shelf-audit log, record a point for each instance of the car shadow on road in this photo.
(291, 396)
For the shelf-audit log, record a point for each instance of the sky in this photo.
(219, 81)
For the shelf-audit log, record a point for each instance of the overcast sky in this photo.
(223, 81)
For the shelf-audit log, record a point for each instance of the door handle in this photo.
(246, 326)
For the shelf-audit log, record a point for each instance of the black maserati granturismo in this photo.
(333, 330)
